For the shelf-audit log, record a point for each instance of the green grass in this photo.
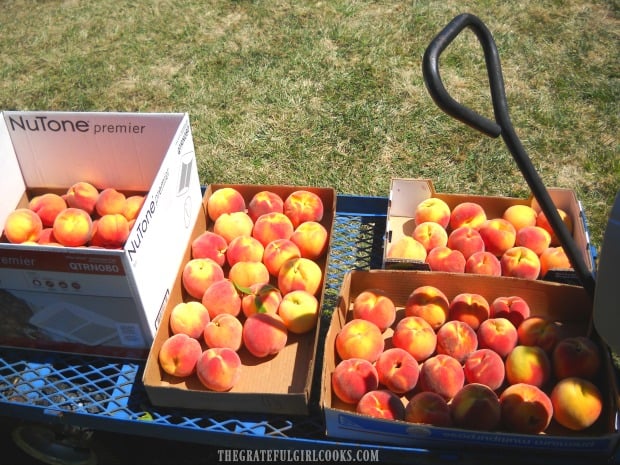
(330, 93)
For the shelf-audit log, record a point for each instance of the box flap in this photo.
(12, 186)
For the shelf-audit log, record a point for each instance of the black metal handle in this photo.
(501, 126)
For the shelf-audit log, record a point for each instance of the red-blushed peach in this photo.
(553, 258)
(300, 273)
(219, 369)
(470, 214)
(271, 226)
(82, 195)
(446, 259)
(497, 334)
(514, 308)
(244, 249)
(179, 354)
(300, 311)
(415, 335)
(577, 403)
(264, 334)
(381, 403)
(441, 374)
(73, 227)
(375, 306)
(576, 356)
(432, 209)
(359, 339)
(525, 409)
(47, 206)
(520, 216)
(224, 330)
(484, 263)
(406, 247)
(231, 225)
(225, 200)
(244, 274)
(528, 364)
(303, 205)
(476, 406)
(429, 303)
(22, 225)
(110, 231)
(539, 331)
(190, 318)
(430, 235)
(261, 298)
(198, 274)
(534, 238)
(397, 369)
(498, 235)
(222, 297)
(485, 366)
(311, 238)
(543, 222)
(277, 252)
(133, 205)
(352, 378)
(110, 201)
(457, 339)
(428, 408)
(466, 240)
(47, 237)
(520, 262)
(210, 245)
(265, 201)
(470, 308)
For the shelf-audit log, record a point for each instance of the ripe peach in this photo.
(381, 403)
(525, 409)
(359, 339)
(429, 303)
(82, 195)
(498, 235)
(23, 225)
(430, 235)
(224, 200)
(442, 374)
(485, 366)
(397, 369)
(224, 330)
(271, 226)
(539, 331)
(528, 364)
(189, 318)
(457, 339)
(476, 406)
(244, 249)
(408, 248)
(520, 262)
(300, 311)
(576, 356)
(244, 274)
(265, 202)
(198, 274)
(312, 238)
(553, 258)
(497, 334)
(300, 273)
(533, 237)
(222, 297)
(210, 245)
(470, 214)
(110, 201)
(264, 334)
(484, 263)
(73, 227)
(415, 335)
(47, 237)
(219, 369)
(577, 403)
(375, 306)
(179, 354)
(262, 298)
(352, 378)
(432, 209)
(470, 308)
(446, 259)
(520, 216)
(277, 252)
(47, 206)
(133, 205)
(513, 308)
(543, 222)
(234, 224)
(110, 231)
(427, 407)
(466, 240)
(303, 205)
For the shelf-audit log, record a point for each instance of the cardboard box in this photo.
(406, 194)
(280, 384)
(566, 303)
(89, 300)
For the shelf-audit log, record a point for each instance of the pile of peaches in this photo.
(82, 216)
(463, 239)
(252, 278)
(465, 362)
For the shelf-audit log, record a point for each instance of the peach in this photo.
(397, 369)
(277, 252)
(457, 339)
(224, 330)
(576, 356)
(225, 200)
(428, 408)
(47, 206)
(359, 339)
(520, 262)
(82, 195)
(47, 237)
(219, 369)
(261, 298)
(470, 308)
(484, 263)
(485, 366)
(110, 201)
(312, 238)
(300, 311)
(415, 335)
(543, 222)
(446, 259)
(528, 364)
(271, 226)
(23, 225)
(210, 245)
(73, 227)
(244, 274)
(430, 235)
(443, 375)
(179, 354)
(539, 331)
(408, 248)
(352, 378)
(375, 306)
(466, 240)
(498, 235)
(429, 303)
(381, 403)
(533, 237)
(476, 406)
(300, 273)
(470, 214)
(222, 297)
(432, 209)
(132, 207)
(198, 274)
(577, 403)
(234, 224)
(525, 409)
(244, 249)
(497, 334)
(111, 231)
(553, 258)
(265, 202)
(189, 318)
(520, 216)
(264, 334)
(514, 308)
(303, 205)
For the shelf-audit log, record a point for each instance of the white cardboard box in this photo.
(91, 300)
